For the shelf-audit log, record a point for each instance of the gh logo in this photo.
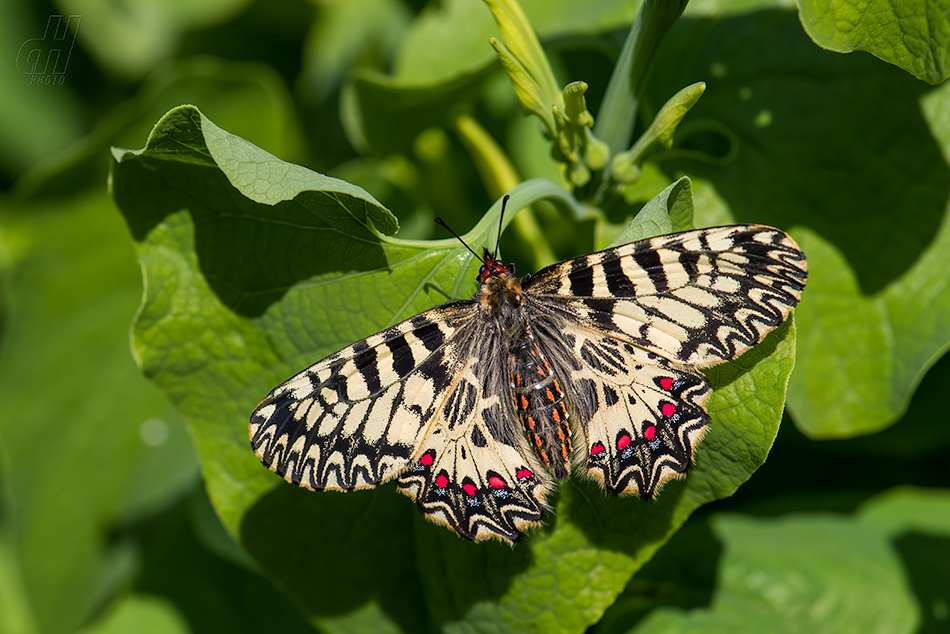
(45, 58)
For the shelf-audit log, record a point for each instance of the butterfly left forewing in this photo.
(697, 298)
(356, 418)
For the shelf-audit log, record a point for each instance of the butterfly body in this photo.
(479, 406)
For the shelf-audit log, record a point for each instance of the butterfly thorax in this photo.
(501, 296)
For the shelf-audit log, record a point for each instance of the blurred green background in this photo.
(105, 525)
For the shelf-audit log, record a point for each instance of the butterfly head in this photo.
(492, 267)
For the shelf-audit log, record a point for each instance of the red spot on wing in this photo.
(649, 432)
(441, 481)
(667, 383)
(524, 474)
(496, 483)
(668, 409)
(597, 449)
(623, 442)
(426, 460)
(469, 488)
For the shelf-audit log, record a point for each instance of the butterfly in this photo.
(478, 407)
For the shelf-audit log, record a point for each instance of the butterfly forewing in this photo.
(357, 418)
(473, 404)
(696, 298)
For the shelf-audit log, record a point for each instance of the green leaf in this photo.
(668, 212)
(917, 520)
(92, 444)
(242, 294)
(860, 181)
(142, 614)
(92, 447)
(906, 509)
(911, 34)
(806, 573)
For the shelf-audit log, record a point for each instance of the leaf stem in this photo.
(500, 177)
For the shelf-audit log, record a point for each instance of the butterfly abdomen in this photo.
(539, 400)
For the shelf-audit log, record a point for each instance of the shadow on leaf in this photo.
(250, 253)
(834, 142)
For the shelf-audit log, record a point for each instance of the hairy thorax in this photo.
(502, 299)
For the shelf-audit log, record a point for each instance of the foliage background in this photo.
(105, 524)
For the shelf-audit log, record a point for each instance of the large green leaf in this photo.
(850, 155)
(88, 447)
(256, 268)
(807, 573)
(911, 34)
(842, 572)
(91, 444)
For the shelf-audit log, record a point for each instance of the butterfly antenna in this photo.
(441, 222)
(501, 218)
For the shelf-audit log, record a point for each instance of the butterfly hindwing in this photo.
(640, 416)
(697, 298)
(474, 472)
